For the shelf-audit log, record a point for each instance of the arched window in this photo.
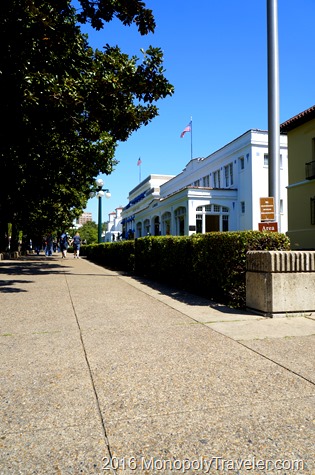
(139, 229)
(180, 217)
(146, 227)
(156, 226)
(166, 223)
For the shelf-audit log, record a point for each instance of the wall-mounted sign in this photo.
(267, 209)
(271, 227)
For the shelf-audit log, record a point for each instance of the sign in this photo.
(267, 209)
(271, 227)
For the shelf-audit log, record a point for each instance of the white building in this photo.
(147, 193)
(114, 226)
(220, 192)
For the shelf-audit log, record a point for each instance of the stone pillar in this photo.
(280, 283)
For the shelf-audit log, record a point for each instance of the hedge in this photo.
(212, 265)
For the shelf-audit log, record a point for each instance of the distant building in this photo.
(114, 226)
(84, 218)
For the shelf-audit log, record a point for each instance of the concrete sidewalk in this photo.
(104, 373)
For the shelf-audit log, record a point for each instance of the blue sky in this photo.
(215, 55)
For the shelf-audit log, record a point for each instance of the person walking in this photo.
(64, 244)
(49, 245)
(76, 245)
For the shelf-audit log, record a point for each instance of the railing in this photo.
(310, 170)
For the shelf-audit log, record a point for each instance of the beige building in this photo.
(84, 218)
(301, 188)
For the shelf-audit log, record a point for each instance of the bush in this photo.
(118, 255)
(212, 265)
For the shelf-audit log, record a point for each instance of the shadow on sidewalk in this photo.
(35, 265)
(187, 298)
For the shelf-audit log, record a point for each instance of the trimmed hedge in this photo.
(117, 255)
(212, 265)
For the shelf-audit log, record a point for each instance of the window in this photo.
(166, 223)
(212, 218)
(281, 206)
(242, 163)
(242, 207)
(205, 181)
(225, 222)
(231, 174)
(216, 179)
(266, 160)
(180, 220)
(228, 174)
(139, 228)
(146, 226)
(196, 183)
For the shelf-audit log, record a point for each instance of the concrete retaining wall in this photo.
(280, 283)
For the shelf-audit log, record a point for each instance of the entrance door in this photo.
(212, 223)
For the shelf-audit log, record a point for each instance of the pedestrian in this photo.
(37, 243)
(76, 245)
(49, 245)
(64, 244)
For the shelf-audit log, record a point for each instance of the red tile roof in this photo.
(298, 120)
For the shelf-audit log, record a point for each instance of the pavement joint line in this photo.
(211, 407)
(239, 342)
(195, 321)
(91, 377)
(210, 322)
(278, 364)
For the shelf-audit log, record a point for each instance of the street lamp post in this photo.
(99, 192)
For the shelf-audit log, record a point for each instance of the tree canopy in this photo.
(66, 106)
(89, 232)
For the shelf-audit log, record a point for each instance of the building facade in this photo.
(301, 187)
(114, 226)
(220, 192)
(84, 218)
(145, 194)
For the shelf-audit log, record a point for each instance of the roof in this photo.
(298, 120)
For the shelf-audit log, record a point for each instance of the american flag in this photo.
(186, 129)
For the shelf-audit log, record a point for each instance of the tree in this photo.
(89, 232)
(66, 106)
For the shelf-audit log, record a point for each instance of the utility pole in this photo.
(273, 107)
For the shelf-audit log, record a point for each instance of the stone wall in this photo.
(280, 283)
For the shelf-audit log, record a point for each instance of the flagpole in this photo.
(188, 128)
(139, 162)
(191, 140)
